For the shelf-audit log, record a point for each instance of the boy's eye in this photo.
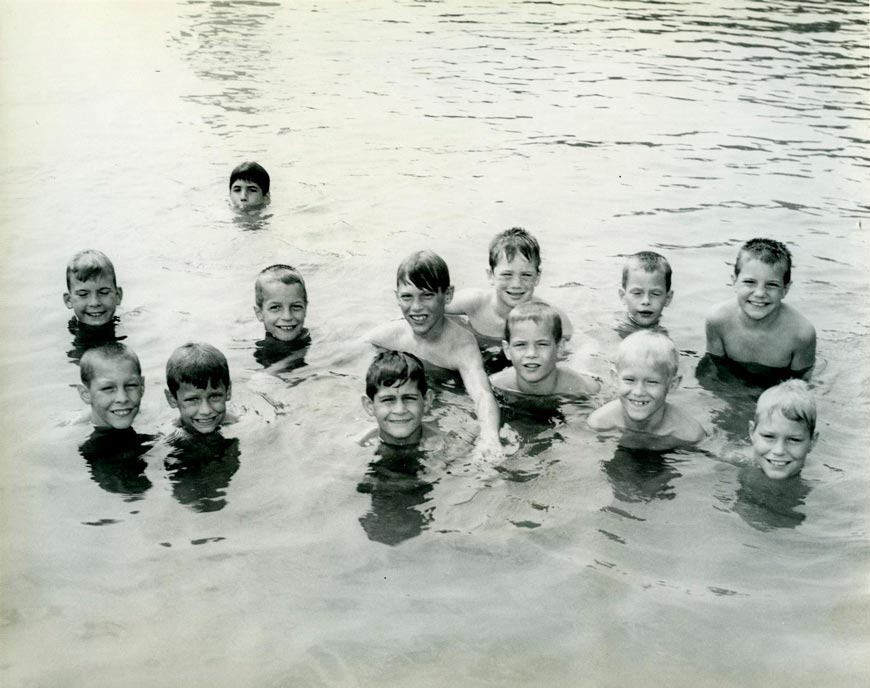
(766, 435)
(410, 398)
(81, 294)
(297, 307)
(655, 293)
(108, 388)
(389, 399)
(274, 307)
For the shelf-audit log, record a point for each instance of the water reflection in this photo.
(200, 469)
(280, 357)
(399, 494)
(767, 504)
(114, 460)
(641, 475)
(535, 421)
(88, 336)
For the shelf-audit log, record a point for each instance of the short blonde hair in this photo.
(653, 346)
(793, 399)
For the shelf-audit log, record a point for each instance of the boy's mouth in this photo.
(419, 319)
(121, 413)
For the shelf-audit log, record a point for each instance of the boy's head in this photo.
(397, 396)
(281, 301)
(92, 291)
(249, 185)
(514, 265)
(198, 385)
(784, 430)
(112, 385)
(646, 287)
(647, 365)
(423, 290)
(762, 277)
(533, 341)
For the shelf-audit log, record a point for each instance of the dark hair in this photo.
(648, 261)
(111, 351)
(285, 274)
(251, 171)
(89, 264)
(393, 368)
(536, 312)
(196, 364)
(512, 241)
(768, 251)
(425, 270)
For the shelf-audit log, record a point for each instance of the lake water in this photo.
(604, 128)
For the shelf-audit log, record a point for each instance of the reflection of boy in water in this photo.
(759, 333)
(92, 295)
(112, 385)
(281, 303)
(200, 469)
(646, 369)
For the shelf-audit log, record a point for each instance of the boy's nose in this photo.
(121, 395)
(778, 447)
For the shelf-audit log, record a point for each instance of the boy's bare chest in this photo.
(769, 347)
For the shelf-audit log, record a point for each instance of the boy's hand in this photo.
(487, 452)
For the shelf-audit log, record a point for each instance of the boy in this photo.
(533, 342)
(646, 370)
(645, 291)
(92, 292)
(784, 430)
(198, 385)
(281, 303)
(514, 272)
(423, 291)
(112, 385)
(759, 332)
(249, 186)
(397, 397)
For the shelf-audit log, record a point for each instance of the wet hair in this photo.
(393, 368)
(538, 313)
(648, 261)
(512, 241)
(88, 265)
(793, 399)
(769, 252)
(654, 347)
(196, 364)
(425, 270)
(111, 351)
(251, 171)
(285, 274)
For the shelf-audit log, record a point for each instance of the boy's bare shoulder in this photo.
(468, 301)
(457, 337)
(722, 312)
(607, 417)
(505, 379)
(801, 327)
(388, 335)
(575, 383)
(683, 426)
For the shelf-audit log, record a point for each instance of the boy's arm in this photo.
(715, 345)
(384, 336)
(804, 357)
(465, 302)
(477, 386)
(600, 419)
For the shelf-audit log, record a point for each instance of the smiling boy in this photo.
(112, 385)
(249, 186)
(92, 292)
(281, 302)
(758, 331)
(198, 385)
(783, 432)
(646, 370)
(423, 291)
(645, 291)
(533, 342)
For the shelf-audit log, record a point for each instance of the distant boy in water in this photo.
(759, 332)
(533, 342)
(784, 430)
(423, 291)
(249, 186)
(646, 369)
(198, 385)
(397, 397)
(514, 272)
(646, 290)
(93, 295)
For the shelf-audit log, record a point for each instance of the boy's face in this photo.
(421, 308)
(283, 310)
(780, 444)
(246, 194)
(760, 288)
(200, 410)
(645, 296)
(642, 386)
(114, 393)
(532, 350)
(399, 412)
(514, 280)
(93, 302)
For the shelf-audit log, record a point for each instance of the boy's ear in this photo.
(229, 391)
(427, 401)
(448, 294)
(814, 440)
(67, 299)
(84, 393)
(173, 402)
(614, 373)
(368, 405)
(560, 348)
(669, 297)
(489, 275)
(120, 293)
(538, 277)
(506, 347)
(258, 312)
(785, 289)
(751, 427)
(675, 382)
(621, 294)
